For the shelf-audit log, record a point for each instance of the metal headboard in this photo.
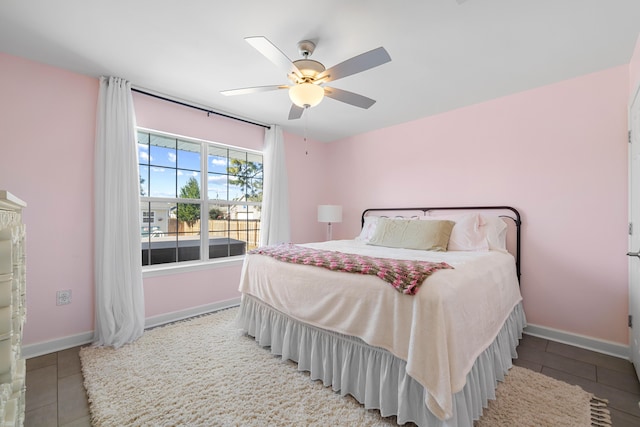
(515, 218)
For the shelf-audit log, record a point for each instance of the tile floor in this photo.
(605, 376)
(55, 391)
(56, 396)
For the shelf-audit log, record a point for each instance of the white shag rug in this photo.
(206, 372)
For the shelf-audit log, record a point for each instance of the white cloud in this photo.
(216, 161)
(172, 157)
(144, 156)
(156, 169)
(217, 178)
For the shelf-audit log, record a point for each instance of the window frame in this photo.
(204, 262)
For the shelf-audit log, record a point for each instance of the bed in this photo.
(432, 353)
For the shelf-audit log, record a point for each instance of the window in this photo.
(199, 200)
(148, 216)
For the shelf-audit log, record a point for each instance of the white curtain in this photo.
(274, 225)
(118, 260)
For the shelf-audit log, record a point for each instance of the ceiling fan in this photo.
(308, 76)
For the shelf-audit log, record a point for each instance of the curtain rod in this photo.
(184, 104)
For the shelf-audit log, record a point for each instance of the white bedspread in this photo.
(439, 332)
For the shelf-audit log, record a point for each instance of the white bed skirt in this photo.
(374, 376)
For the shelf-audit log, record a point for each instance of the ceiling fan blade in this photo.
(349, 97)
(246, 90)
(273, 54)
(295, 112)
(357, 64)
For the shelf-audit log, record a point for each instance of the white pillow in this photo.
(368, 229)
(496, 232)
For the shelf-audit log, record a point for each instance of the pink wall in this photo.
(557, 153)
(157, 114)
(47, 120)
(309, 168)
(177, 292)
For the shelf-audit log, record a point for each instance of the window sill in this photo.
(186, 267)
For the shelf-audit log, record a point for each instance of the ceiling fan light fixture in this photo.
(306, 94)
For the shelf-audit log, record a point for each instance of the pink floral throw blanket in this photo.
(405, 276)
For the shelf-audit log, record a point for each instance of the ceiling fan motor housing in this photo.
(309, 69)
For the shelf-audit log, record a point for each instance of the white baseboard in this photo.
(601, 346)
(58, 344)
(46, 347)
(163, 319)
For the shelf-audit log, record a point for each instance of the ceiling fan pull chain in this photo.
(306, 125)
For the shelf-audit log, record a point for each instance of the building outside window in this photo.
(199, 200)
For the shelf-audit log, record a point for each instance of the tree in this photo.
(189, 212)
(248, 176)
(216, 213)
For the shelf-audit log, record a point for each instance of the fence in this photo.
(239, 229)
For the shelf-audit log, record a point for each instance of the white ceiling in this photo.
(445, 54)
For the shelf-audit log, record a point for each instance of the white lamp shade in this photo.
(306, 94)
(329, 213)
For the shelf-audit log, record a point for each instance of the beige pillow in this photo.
(412, 234)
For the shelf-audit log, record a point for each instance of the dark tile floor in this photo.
(55, 391)
(605, 376)
(56, 396)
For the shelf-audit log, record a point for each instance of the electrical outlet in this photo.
(63, 297)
